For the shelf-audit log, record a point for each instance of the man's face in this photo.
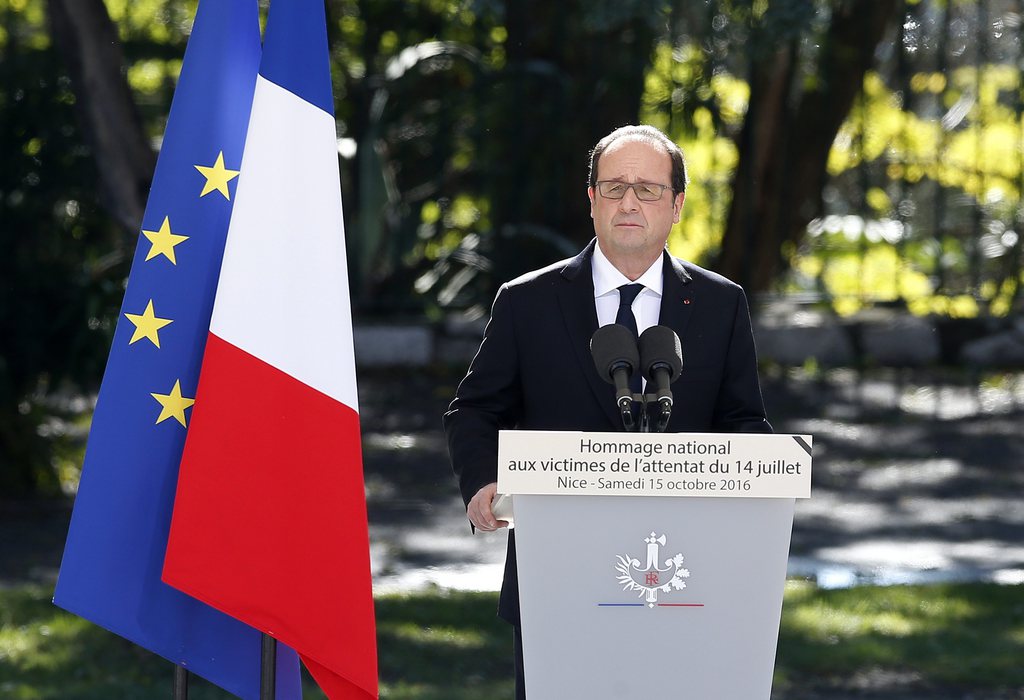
(627, 228)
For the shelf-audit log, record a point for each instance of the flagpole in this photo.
(268, 668)
(180, 683)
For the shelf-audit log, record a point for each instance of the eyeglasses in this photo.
(644, 191)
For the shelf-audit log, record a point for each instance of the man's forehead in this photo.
(630, 153)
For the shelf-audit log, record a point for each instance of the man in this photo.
(534, 370)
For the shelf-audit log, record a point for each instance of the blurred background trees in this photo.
(846, 153)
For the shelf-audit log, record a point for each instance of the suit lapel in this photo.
(576, 300)
(677, 298)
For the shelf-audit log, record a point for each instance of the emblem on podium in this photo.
(653, 576)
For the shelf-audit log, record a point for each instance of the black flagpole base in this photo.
(180, 683)
(268, 668)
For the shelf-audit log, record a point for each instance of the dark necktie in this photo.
(625, 317)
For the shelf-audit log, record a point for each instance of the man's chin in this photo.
(628, 241)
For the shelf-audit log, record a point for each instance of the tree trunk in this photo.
(87, 39)
(786, 138)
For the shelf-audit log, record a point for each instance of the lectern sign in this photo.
(735, 465)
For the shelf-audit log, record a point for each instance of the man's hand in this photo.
(479, 509)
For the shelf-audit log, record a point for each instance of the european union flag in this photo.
(114, 553)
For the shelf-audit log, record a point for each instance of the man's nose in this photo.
(629, 201)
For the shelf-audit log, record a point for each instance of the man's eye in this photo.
(615, 188)
(645, 190)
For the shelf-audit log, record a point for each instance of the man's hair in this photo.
(649, 135)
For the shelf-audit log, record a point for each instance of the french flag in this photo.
(269, 521)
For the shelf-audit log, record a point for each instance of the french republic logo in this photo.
(653, 576)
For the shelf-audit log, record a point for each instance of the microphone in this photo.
(661, 357)
(616, 357)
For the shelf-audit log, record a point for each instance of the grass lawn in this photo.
(450, 646)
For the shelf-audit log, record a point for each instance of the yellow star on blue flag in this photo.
(147, 325)
(217, 177)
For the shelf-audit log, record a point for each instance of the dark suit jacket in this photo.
(534, 370)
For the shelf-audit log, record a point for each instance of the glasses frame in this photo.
(631, 186)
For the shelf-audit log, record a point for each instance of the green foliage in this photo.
(939, 231)
(975, 149)
(854, 268)
(153, 34)
(62, 284)
(465, 126)
(926, 183)
(701, 113)
(470, 160)
(407, 76)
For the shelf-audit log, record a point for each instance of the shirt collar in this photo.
(607, 277)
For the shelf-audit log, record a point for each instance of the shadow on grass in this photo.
(944, 637)
(439, 646)
(444, 645)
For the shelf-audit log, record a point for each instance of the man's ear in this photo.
(590, 194)
(677, 206)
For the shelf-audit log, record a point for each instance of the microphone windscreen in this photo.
(659, 345)
(611, 346)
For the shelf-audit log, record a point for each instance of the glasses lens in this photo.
(645, 191)
(613, 190)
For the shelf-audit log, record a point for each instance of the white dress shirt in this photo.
(607, 280)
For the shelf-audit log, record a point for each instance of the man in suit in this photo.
(534, 369)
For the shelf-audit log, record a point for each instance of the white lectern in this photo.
(651, 565)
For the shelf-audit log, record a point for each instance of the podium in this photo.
(651, 565)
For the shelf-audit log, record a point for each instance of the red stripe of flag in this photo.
(267, 536)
